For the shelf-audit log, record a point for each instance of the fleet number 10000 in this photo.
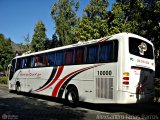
(104, 72)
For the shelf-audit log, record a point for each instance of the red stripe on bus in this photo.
(60, 69)
(101, 40)
(55, 91)
(136, 68)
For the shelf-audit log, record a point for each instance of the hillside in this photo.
(15, 47)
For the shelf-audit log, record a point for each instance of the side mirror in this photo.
(9, 65)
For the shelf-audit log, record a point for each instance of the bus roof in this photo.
(81, 43)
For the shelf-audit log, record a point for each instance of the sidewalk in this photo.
(4, 85)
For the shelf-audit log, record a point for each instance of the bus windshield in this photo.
(140, 48)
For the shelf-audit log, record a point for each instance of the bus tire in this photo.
(18, 89)
(72, 97)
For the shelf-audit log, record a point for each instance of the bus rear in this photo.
(138, 73)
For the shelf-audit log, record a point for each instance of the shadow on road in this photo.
(133, 109)
(141, 110)
(34, 109)
(31, 108)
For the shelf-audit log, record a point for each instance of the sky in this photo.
(19, 17)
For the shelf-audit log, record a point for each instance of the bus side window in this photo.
(13, 63)
(69, 57)
(106, 52)
(59, 58)
(115, 47)
(36, 60)
(92, 54)
(40, 60)
(23, 63)
(18, 64)
(32, 61)
(45, 59)
(51, 59)
(26, 62)
(79, 55)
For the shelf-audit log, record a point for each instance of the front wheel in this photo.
(18, 89)
(72, 97)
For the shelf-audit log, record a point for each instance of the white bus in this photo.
(115, 69)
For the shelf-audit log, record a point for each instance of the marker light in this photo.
(126, 74)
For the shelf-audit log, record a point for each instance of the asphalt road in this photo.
(34, 107)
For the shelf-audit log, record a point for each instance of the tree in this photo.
(21, 45)
(64, 14)
(27, 42)
(143, 17)
(47, 44)
(6, 53)
(55, 42)
(117, 22)
(94, 22)
(39, 37)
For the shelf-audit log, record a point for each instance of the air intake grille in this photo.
(104, 88)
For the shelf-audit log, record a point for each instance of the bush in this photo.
(3, 80)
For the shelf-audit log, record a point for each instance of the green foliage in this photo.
(98, 22)
(27, 42)
(136, 16)
(64, 14)
(39, 37)
(143, 19)
(94, 23)
(52, 43)
(6, 52)
(118, 23)
(1, 68)
(55, 42)
(3, 80)
(21, 45)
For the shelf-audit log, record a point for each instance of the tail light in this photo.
(125, 78)
(125, 83)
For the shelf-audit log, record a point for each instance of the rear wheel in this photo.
(18, 89)
(72, 97)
